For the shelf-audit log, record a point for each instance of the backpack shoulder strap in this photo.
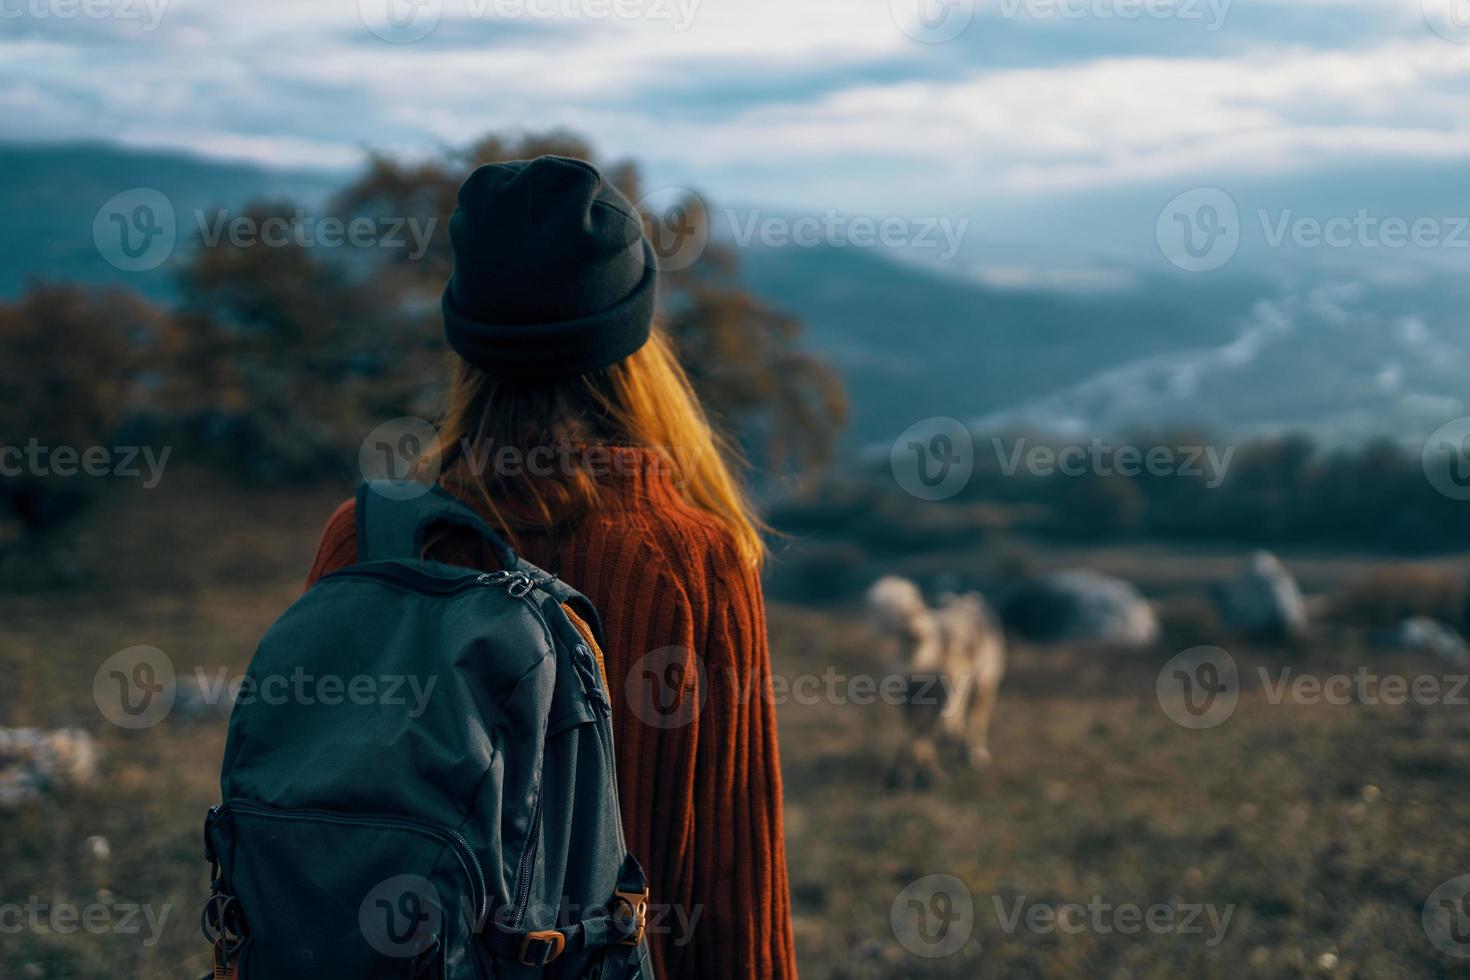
(394, 518)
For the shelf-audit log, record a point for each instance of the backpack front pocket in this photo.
(343, 895)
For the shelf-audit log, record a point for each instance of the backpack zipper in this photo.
(586, 663)
(394, 573)
(457, 841)
(528, 860)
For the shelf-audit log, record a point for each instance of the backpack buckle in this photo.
(629, 913)
(549, 945)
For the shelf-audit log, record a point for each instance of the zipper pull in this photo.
(586, 663)
(518, 584)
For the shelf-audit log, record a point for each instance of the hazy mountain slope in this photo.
(50, 194)
(913, 344)
(1344, 361)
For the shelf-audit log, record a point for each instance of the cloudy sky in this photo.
(1044, 115)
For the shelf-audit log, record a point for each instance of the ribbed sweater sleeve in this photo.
(739, 873)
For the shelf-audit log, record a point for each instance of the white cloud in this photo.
(760, 99)
(1117, 121)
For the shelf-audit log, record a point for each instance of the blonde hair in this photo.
(644, 400)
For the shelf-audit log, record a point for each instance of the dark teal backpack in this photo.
(419, 777)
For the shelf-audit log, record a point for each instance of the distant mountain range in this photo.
(1342, 359)
(51, 194)
(1340, 356)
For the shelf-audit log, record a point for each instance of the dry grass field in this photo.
(1319, 829)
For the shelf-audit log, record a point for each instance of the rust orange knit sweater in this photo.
(700, 789)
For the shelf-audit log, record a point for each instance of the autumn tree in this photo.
(284, 350)
(72, 370)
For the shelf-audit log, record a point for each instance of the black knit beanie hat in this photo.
(552, 275)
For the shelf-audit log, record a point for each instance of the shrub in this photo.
(1386, 597)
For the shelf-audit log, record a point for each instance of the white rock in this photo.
(1082, 606)
(34, 761)
(1265, 601)
(1425, 635)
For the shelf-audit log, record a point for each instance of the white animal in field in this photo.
(953, 657)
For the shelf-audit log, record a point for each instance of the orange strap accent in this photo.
(224, 968)
(586, 632)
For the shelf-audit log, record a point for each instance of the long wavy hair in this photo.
(530, 451)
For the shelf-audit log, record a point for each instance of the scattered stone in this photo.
(1265, 601)
(35, 761)
(1082, 606)
(98, 848)
(1421, 634)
